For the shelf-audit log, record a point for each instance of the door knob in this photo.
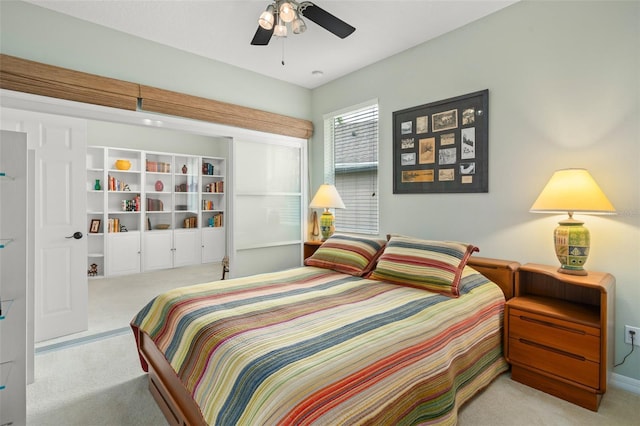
(76, 235)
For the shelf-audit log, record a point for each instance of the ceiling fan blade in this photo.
(262, 36)
(326, 20)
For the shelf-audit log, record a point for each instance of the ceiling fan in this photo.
(284, 14)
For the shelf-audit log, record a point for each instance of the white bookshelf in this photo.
(178, 218)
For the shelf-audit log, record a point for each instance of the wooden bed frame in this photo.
(176, 403)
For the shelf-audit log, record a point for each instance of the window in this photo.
(351, 164)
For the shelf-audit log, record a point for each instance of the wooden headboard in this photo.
(501, 272)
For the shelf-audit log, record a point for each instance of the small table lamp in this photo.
(327, 197)
(572, 190)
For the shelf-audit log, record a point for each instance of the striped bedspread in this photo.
(313, 346)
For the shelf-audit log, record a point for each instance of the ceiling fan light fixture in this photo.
(266, 18)
(287, 12)
(298, 26)
(285, 16)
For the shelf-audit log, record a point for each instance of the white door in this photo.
(268, 205)
(60, 272)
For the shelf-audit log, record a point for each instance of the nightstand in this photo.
(310, 247)
(559, 333)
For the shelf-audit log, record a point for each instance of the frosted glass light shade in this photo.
(266, 18)
(287, 12)
(298, 26)
(280, 30)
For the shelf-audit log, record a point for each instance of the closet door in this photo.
(268, 205)
(60, 246)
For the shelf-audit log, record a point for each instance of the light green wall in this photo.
(563, 80)
(32, 32)
(100, 133)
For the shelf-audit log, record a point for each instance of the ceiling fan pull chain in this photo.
(282, 61)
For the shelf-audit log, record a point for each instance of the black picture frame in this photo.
(443, 146)
(95, 226)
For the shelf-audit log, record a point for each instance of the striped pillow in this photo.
(433, 265)
(347, 254)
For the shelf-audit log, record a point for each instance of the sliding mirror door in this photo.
(269, 205)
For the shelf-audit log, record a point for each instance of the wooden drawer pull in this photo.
(548, 348)
(551, 324)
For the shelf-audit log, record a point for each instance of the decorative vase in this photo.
(326, 224)
(97, 186)
(184, 169)
(572, 242)
(159, 186)
(123, 164)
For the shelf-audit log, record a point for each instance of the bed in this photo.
(369, 331)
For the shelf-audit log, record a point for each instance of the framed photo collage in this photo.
(442, 147)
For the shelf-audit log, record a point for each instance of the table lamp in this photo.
(327, 197)
(571, 191)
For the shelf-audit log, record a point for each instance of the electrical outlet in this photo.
(627, 335)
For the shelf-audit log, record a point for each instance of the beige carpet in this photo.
(85, 381)
(114, 301)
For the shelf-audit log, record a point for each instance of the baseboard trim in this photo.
(626, 383)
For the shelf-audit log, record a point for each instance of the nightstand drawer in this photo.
(573, 338)
(550, 360)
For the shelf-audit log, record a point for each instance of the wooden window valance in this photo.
(26, 76)
(167, 102)
(47, 80)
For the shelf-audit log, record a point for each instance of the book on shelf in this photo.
(158, 166)
(132, 205)
(216, 221)
(214, 187)
(116, 184)
(208, 169)
(113, 225)
(154, 205)
(190, 222)
(207, 205)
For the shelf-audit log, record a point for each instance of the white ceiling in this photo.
(222, 30)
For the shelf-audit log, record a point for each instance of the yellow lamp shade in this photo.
(572, 190)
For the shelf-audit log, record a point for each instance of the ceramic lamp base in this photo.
(572, 241)
(326, 224)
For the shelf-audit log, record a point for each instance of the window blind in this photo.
(352, 153)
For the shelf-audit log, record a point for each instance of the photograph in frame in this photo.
(422, 124)
(445, 120)
(468, 149)
(427, 151)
